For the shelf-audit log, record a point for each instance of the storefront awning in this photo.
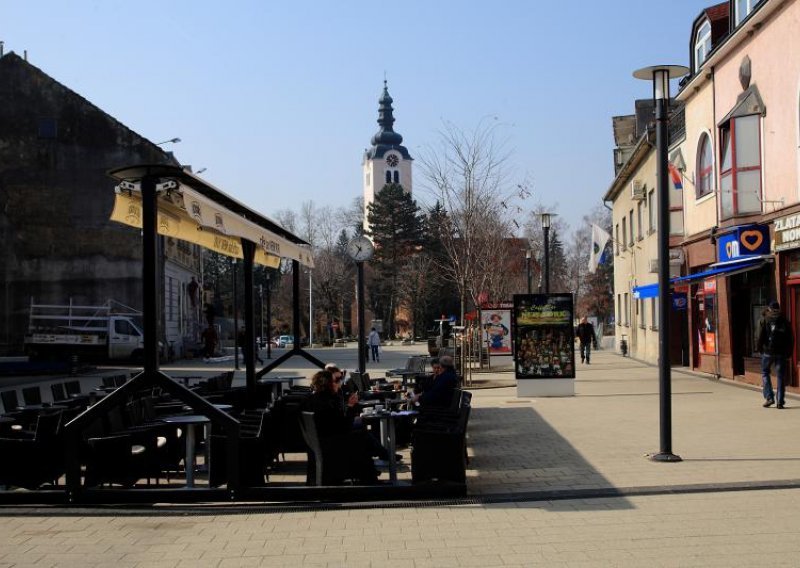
(193, 211)
(721, 268)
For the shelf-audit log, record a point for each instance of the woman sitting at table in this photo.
(347, 451)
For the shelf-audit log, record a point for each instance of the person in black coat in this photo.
(587, 339)
(445, 382)
(347, 453)
(775, 343)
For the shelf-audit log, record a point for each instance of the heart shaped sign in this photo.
(751, 240)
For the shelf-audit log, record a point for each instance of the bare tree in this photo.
(466, 175)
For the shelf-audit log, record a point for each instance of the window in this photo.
(639, 221)
(627, 311)
(640, 310)
(624, 234)
(630, 223)
(616, 239)
(654, 313)
(743, 9)
(702, 44)
(651, 212)
(705, 167)
(388, 176)
(124, 327)
(675, 211)
(396, 176)
(367, 178)
(740, 172)
(619, 309)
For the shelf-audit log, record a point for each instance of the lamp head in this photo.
(660, 76)
(546, 219)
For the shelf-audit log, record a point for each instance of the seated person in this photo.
(445, 381)
(376, 450)
(347, 452)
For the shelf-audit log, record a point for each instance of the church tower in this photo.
(387, 160)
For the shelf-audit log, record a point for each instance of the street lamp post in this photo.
(528, 268)
(546, 220)
(170, 141)
(660, 76)
(235, 318)
(269, 317)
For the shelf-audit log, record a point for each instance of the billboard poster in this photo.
(496, 326)
(544, 336)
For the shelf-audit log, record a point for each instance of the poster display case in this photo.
(544, 336)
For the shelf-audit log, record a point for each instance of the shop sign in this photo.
(710, 286)
(743, 242)
(787, 232)
(679, 301)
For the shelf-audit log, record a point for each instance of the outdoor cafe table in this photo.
(387, 421)
(279, 381)
(190, 421)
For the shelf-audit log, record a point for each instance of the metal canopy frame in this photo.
(149, 176)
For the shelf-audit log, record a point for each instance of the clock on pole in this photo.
(360, 249)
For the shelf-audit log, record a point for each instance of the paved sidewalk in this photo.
(599, 438)
(666, 514)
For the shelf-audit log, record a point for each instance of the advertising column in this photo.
(544, 344)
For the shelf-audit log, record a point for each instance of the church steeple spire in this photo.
(386, 134)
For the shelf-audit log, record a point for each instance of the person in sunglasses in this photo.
(349, 449)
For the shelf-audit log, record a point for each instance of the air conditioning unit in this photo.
(638, 191)
(653, 265)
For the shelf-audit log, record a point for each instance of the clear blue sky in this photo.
(278, 99)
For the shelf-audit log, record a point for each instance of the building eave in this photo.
(640, 153)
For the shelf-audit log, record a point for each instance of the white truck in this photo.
(107, 331)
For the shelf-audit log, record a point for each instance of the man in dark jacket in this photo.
(587, 339)
(445, 381)
(775, 343)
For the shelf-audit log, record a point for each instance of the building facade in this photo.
(737, 162)
(55, 202)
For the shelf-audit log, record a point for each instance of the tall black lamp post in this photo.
(528, 267)
(546, 220)
(235, 318)
(269, 317)
(660, 75)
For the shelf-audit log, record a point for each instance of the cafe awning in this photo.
(191, 210)
(720, 269)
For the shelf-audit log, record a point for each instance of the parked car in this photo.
(283, 340)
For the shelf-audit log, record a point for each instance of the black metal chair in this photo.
(32, 395)
(31, 459)
(316, 461)
(10, 401)
(59, 394)
(72, 387)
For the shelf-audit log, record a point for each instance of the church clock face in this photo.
(392, 161)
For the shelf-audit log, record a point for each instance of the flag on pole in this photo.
(599, 240)
(675, 176)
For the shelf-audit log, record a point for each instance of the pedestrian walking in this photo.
(210, 339)
(374, 342)
(587, 339)
(775, 343)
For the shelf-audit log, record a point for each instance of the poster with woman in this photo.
(544, 336)
(496, 325)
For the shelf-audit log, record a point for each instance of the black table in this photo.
(387, 421)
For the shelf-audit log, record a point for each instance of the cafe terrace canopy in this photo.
(192, 210)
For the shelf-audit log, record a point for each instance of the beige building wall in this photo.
(773, 51)
(634, 264)
(699, 214)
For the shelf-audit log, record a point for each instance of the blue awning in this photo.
(727, 268)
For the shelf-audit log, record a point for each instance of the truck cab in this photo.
(125, 339)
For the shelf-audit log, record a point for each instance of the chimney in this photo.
(25, 55)
(2, 44)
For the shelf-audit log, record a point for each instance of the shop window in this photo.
(794, 264)
(705, 167)
(707, 316)
(740, 170)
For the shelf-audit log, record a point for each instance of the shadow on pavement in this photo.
(515, 452)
